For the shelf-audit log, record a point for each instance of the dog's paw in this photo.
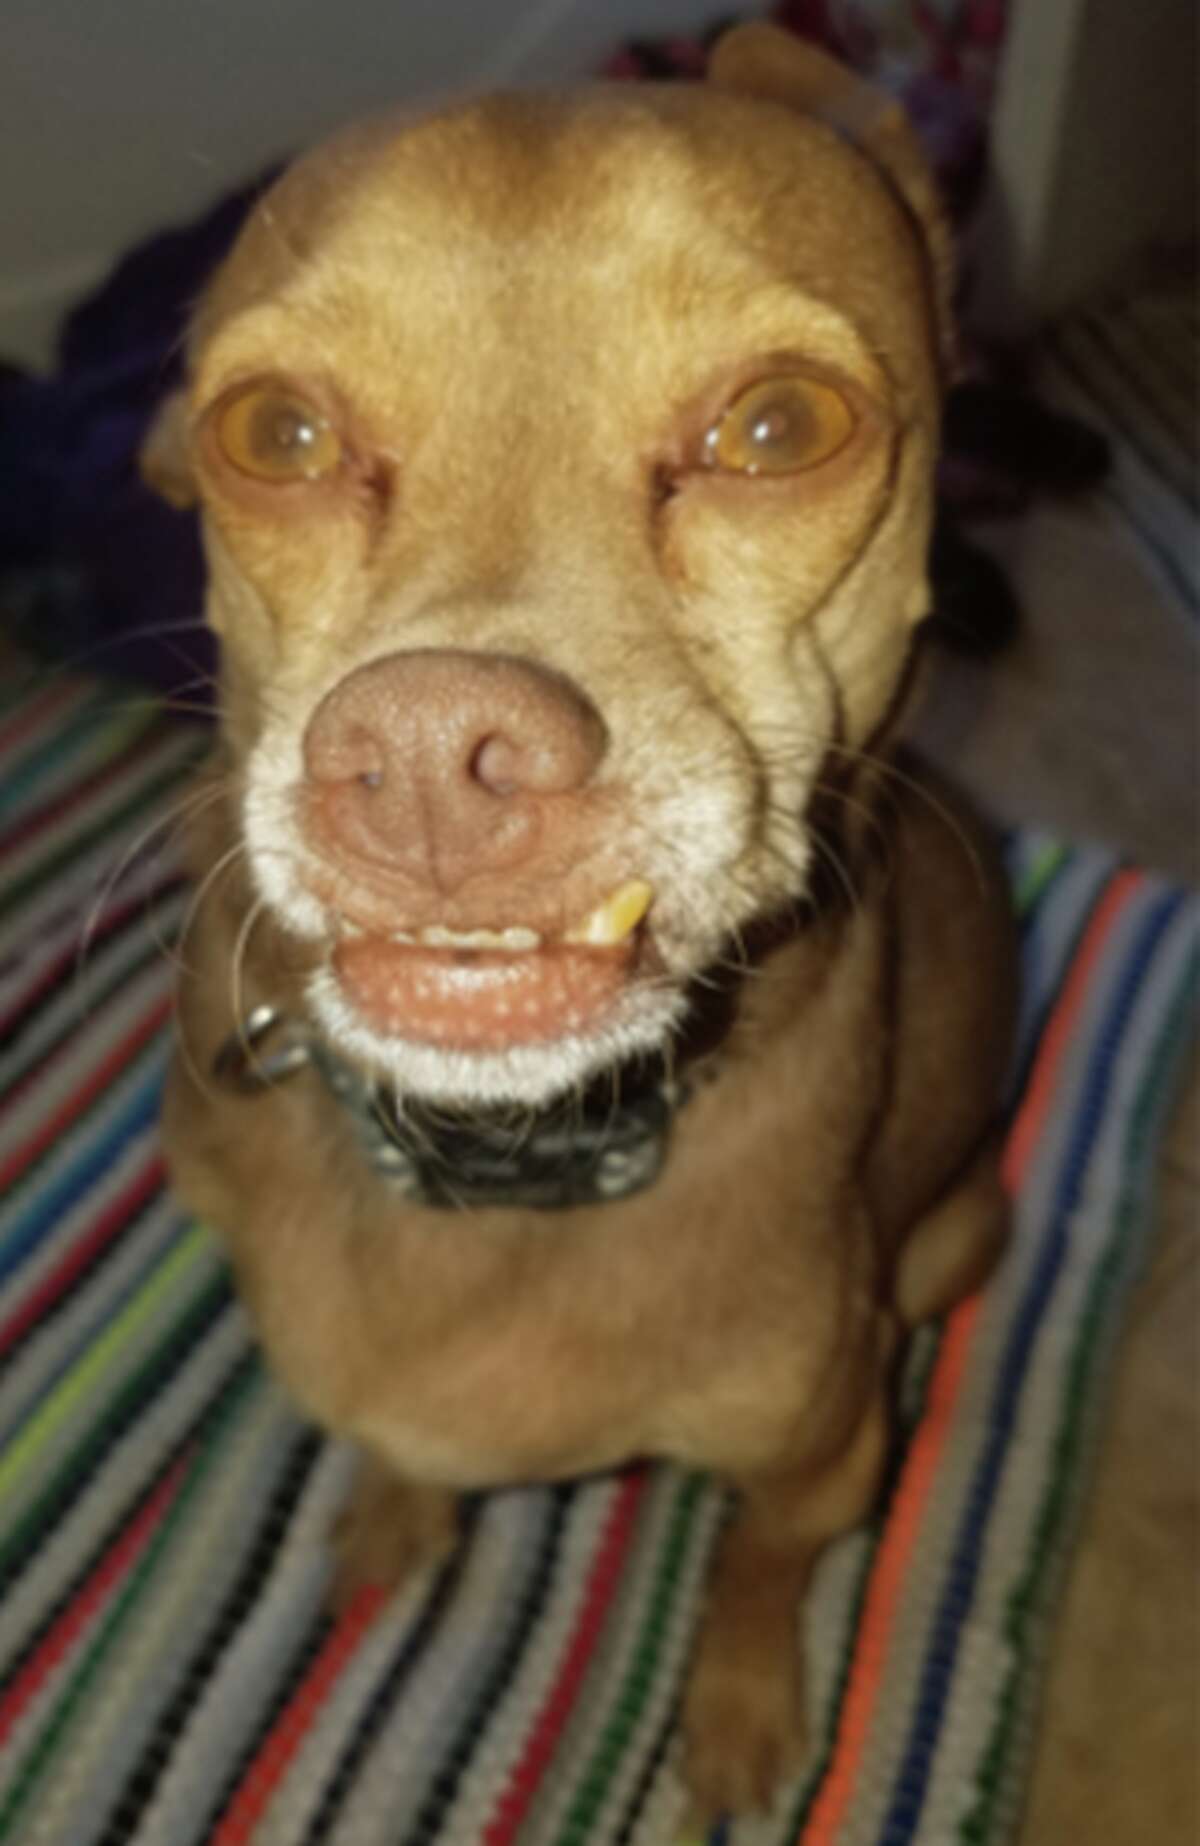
(743, 1729)
(388, 1532)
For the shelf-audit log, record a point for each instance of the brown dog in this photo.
(566, 471)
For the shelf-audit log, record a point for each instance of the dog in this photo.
(591, 1027)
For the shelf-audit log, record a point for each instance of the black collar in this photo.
(584, 1150)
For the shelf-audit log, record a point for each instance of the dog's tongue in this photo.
(479, 1000)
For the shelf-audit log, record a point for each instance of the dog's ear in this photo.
(764, 61)
(163, 459)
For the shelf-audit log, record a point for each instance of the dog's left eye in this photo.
(780, 426)
(276, 436)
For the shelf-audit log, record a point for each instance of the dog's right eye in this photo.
(274, 435)
(782, 425)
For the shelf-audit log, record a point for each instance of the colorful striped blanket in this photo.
(169, 1670)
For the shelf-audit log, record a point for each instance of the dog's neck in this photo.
(589, 1148)
(592, 1148)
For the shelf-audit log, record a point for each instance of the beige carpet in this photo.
(1090, 725)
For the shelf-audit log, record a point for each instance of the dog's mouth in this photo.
(494, 989)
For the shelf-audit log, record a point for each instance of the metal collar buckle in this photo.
(247, 1065)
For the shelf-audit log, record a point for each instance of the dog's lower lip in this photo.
(480, 999)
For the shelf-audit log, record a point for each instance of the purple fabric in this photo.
(90, 560)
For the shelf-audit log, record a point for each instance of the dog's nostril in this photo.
(495, 764)
(336, 752)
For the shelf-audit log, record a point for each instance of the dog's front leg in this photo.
(744, 1721)
(390, 1530)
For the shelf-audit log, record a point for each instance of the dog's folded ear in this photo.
(163, 460)
(765, 61)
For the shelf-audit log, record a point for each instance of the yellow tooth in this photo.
(615, 918)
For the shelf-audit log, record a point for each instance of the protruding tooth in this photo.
(617, 917)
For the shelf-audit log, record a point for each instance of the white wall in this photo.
(1127, 169)
(1094, 152)
(118, 117)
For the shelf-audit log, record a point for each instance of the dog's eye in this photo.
(276, 436)
(780, 426)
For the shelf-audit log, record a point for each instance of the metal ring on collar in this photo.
(245, 1066)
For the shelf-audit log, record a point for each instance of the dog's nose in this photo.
(442, 764)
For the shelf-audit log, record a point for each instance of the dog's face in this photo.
(565, 465)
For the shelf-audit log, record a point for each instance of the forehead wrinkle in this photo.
(511, 171)
(597, 240)
(549, 303)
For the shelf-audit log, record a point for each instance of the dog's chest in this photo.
(553, 1359)
(696, 1319)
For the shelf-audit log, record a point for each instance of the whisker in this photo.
(199, 1078)
(225, 863)
(833, 859)
(237, 995)
(204, 799)
(889, 771)
(45, 673)
(176, 816)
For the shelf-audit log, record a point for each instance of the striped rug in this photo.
(169, 1672)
